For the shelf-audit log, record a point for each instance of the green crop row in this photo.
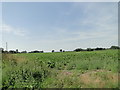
(49, 70)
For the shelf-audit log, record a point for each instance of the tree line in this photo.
(16, 51)
(77, 50)
(94, 49)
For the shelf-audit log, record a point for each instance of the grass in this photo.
(87, 69)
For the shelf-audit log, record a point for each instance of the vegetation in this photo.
(77, 50)
(96, 69)
(114, 47)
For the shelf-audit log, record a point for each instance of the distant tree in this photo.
(60, 50)
(99, 48)
(78, 49)
(53, 50)
(89, 49)
(36, 51)
(114, 47)
(12, 51)
(24, 52)
(6, 52)
(16, 50)
(63, 50)
(1, 50)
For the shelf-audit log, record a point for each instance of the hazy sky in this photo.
(46, 26)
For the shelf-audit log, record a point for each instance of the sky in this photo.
(51, 26)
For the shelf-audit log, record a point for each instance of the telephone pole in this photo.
(6, 46)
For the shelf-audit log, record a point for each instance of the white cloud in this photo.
(12, 30)
(102, 20)
(103, 30)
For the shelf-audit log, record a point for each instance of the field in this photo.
(85, 69)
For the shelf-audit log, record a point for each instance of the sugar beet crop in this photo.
(85, 69)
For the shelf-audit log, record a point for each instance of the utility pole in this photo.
(6, 46)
